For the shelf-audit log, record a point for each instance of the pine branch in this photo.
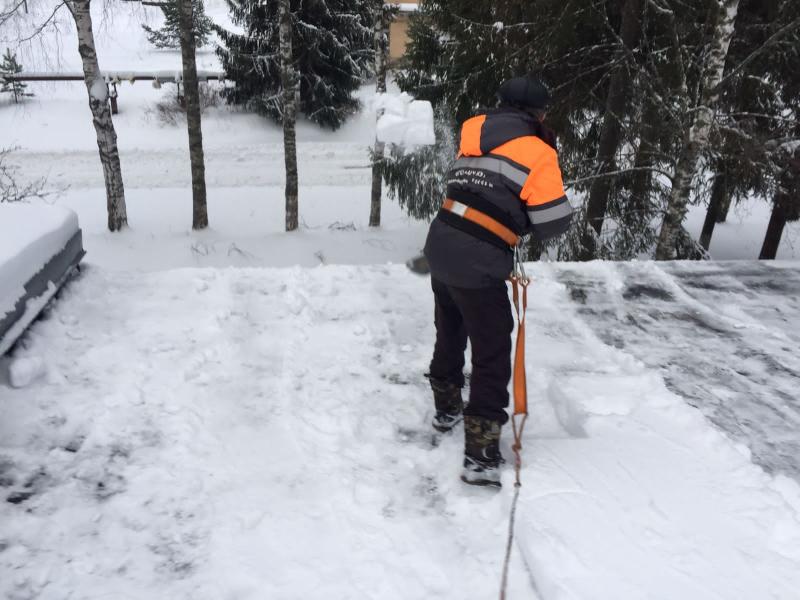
(617, 173)
(773, 40)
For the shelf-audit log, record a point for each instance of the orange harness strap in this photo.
(520, 380)
(482, 219)
(518, 280)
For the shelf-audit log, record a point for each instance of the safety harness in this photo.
(479, 218)
(519, 290)
(488, 223)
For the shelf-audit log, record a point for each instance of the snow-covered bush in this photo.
(11, 190)
(171, 109)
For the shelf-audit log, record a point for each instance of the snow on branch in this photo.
(404, 121)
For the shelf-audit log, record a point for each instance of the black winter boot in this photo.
(448, 403)
(482, 456)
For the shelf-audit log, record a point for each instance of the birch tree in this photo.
(289, 81)
(381, 45)
(697, 138)
(101, 115)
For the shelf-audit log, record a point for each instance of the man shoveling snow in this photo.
(505, 183)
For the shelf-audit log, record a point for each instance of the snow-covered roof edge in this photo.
(110, 76)
(406, 7)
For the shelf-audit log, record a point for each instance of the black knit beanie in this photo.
(524, 92)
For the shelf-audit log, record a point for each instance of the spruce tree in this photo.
(168, 36)
(332, 50)
(10, 66)
(461, 51)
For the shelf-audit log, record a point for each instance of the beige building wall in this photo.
(398, 31)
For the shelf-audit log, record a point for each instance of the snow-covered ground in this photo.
(263, 433)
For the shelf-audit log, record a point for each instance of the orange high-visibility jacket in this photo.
(509, 177)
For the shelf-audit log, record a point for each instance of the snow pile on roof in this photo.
(405, 121)
(30, 235)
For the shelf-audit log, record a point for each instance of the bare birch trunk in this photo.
(289, 84)
(101, 115)
(610, 133)
(381, 45)
(697, 138)
(191, 92)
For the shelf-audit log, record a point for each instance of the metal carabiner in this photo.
(519, 268)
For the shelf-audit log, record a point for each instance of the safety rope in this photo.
(519, 281)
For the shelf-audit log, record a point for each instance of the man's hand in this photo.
(418, 265)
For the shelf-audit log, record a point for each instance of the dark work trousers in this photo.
(483, 315)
